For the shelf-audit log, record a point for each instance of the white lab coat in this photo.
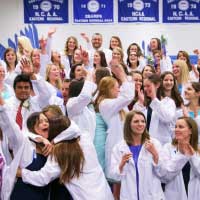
(80, 112)
(163, 114)
(109, 109)
(149, 183)
(171, 174)
(89, 186)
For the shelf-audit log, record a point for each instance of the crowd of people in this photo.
(98, 123)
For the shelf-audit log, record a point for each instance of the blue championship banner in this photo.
(45, 11)
(181, 11)
(93, 11)
(138, 11)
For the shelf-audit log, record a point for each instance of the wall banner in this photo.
(45, 11)
(181, 11)
(93, 11)
(138, 11)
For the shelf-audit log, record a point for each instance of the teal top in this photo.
(100, 139)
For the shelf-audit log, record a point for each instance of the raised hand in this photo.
(51, 31)
(85, 37)
(149, 146)
(26, 66)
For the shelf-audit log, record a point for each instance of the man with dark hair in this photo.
(24, 102)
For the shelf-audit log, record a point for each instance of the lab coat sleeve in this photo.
(75, 105)
(44, 61)
(40, 178)
(170, 166)
(195, 164)
(44, 93)
(10, 129)
(116, 158)
(110, 107)
(164, 109)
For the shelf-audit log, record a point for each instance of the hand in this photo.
(196, 51)
(140, 96)
(185, 148)
(2, 102)
(185, 110)
(26, 66)
(85, 37)
(51, 31)
(125, 159)
(149, 146)
(46, 150)
(19, 173)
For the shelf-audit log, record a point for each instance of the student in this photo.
(134, 160)
(74, 160)
(111, 101)
(160, 112)
(180, 162)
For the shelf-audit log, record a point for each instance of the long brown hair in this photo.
(68, 153)
(194, 130)
(128, 132)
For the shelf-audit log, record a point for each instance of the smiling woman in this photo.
(135, 156)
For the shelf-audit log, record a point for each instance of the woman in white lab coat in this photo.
(79, 107)
(160, 112)
(134, 160)
(74, 160)
(180, 169)
(111, 100)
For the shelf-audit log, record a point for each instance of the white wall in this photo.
(179, 36)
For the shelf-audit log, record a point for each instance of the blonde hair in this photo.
(26, 44)
(48, 69)
(184, 76)
(105, 85)
(66, 44)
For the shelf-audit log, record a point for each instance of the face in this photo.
(168, 82)
(115, 90)
(2, 73)
(11, 57)
(190, 92)
(56, 56)
(79, 73)
(71, 44)
(65, 90)
(133, 48)
(138, 81)
(153, 44)
(147, 72)
(182, 131)
(77, 56)
(97, 58)
(133, 57)
(182, 57)
(157, 57)
(36, 57)
(23, 90)
(149, 87)
(54, 73)
(138, 124)
(114, 43)
(96, 41)
(42, 127)
(116, 55)
(176, 70)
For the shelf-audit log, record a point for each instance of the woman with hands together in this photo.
(133, 160)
